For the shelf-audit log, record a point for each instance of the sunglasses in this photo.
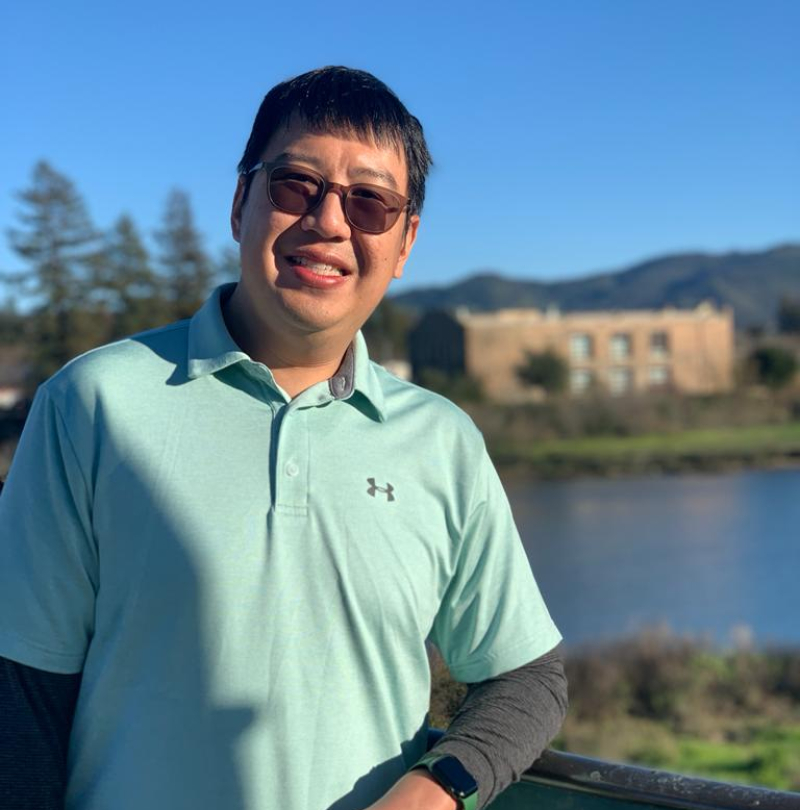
(298, 190)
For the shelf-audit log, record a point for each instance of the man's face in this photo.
(315, 273)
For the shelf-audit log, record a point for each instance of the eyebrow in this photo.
(360, 171)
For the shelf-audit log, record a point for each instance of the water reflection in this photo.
(704, 554)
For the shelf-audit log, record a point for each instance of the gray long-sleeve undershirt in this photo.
(504, 723)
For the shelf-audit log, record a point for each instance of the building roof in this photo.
(531, 316)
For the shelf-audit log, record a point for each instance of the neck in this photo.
(296, 363)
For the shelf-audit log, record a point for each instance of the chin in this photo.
(309, 320)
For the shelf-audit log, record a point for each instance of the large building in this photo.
(691, 351)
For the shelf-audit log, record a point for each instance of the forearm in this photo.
(506, 722)
(417, 790)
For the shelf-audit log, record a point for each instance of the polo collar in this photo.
(211, 349)
(365, 375)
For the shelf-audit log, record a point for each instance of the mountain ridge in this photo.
(750, 282)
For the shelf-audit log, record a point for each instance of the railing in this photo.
(560, 781)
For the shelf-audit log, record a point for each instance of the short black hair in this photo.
(343, 100)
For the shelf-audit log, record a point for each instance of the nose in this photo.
(328, 218)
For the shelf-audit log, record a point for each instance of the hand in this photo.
(417, 790)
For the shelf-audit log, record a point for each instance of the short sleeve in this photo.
(492, 618)
(48, 559)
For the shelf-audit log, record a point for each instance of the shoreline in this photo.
(717, 450)
(558, 468)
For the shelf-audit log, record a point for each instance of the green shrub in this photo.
(773, 366)
(546, 370)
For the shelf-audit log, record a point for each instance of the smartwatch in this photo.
(453, 777)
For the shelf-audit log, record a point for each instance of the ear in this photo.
(236, 208)
(409, 237)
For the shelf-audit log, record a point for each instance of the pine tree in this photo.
(12, 324)
(61, 247)
(185, 265)
(227, 265)
(127, 284)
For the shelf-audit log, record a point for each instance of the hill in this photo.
(752, 283)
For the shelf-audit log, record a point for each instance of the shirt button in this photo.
(292, 469)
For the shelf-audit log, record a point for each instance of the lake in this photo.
(714, 556)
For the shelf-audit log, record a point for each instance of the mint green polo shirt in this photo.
(247, 581)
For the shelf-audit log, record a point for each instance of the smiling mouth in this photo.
(318, 268)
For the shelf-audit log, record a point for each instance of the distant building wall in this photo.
(691, 351)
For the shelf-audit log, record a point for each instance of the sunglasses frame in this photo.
(326, 186)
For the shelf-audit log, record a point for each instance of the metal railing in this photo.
(561, 780)
(630, 783)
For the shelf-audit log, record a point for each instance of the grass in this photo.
(771, 758)
(693, 449)
(766, 755)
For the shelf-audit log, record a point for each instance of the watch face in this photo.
(450, 772)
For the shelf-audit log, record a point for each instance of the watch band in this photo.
(466, 800)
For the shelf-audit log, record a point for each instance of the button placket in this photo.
(291, 462)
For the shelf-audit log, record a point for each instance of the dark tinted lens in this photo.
(372, 209)
(293, 191)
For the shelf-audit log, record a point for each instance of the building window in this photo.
(581, 346)
(620, 380)
(658, 376)
(580, 380)
(621, 346)
(659, 345)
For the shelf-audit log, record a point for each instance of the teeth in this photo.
(318, 267)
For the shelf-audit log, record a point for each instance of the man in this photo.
(225, 542)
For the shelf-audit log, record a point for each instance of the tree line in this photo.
(87, 286)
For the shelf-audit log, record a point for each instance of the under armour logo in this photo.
(388, 490)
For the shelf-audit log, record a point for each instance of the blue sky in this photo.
(569, 136)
